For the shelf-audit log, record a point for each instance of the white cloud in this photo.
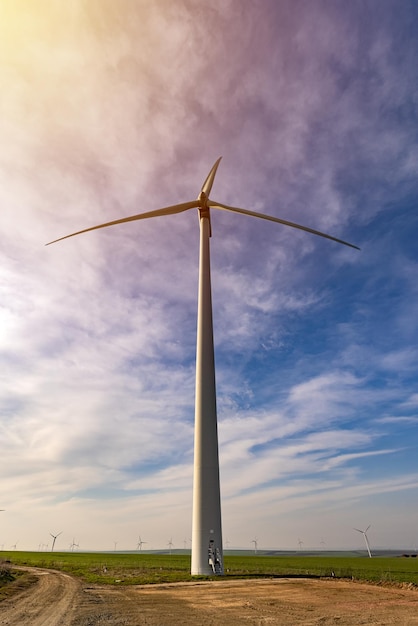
(110, 111)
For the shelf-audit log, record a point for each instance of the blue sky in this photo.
(110, 108)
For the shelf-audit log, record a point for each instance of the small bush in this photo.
(5, 572)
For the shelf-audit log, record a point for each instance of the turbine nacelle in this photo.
(203, 200)
(203, 208)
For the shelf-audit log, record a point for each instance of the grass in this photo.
(148, 568)
(379, 569)
(13, 581)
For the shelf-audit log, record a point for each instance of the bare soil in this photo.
(57, 599)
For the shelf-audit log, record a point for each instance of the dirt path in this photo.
(60, 600)
(49, 602)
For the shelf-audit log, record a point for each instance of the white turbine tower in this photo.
(364, 533)
(54, 537)
(207, 530)
(254, 541)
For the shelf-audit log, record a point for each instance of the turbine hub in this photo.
(203, 199)
(204, 209)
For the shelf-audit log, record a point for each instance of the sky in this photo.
(110, 108)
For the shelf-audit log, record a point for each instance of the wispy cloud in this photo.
(108, 110)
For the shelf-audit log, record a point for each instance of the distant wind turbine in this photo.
(73, 545)
(364, 533)
(300, 544)
(207, 527)
(54, 537)
(254, 541)
(170, 545)
(140, 543)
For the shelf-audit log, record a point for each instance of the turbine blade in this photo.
(358, 530)
(207, 185)
(367, 528)
(169, 210)
(218, 205)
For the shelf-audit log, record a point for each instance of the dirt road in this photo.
(47, 603)
(60, 600)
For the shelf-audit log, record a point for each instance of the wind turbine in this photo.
(170, 545)
(54, 537)
(206, 523)
(2, 546)
(254, 541)
(73, 545)
(364, 533)
(300, 544)
(140, 543)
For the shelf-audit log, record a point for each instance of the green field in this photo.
(145, 568)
